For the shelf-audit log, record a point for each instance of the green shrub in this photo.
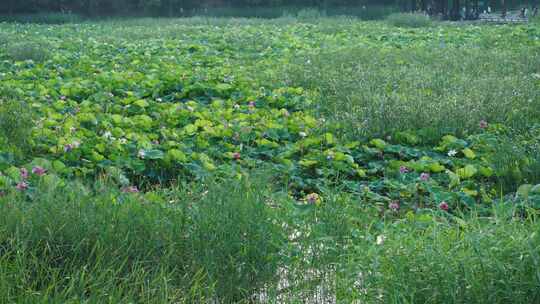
(408, 20)
(310, 14)
(16, 123)
(43, 18)
(31, 50)
(4, 39)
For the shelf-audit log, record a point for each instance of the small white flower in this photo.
(141, 154)
(302, 134)
(159, 99)
(107, 135)
(380, 239)
(452, 153)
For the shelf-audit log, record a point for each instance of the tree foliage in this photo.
(162, 7)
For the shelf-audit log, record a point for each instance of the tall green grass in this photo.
(239, 241)
(433, 90)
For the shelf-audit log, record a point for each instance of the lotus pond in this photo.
(433, 123)
(175, 101)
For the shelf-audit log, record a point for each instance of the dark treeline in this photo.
(184, 7)
(162, 7)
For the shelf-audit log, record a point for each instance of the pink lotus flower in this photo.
(312, 198)
(444, 206)
(130, 189)
(483, 124)
(403, 170)
(39, 171)
(394, 206)
(22, 186)
(424, 176)
(24, 173)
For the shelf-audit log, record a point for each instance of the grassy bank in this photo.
(236, 241)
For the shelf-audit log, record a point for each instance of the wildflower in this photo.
(111, 95)
(236, 156)
(71, 146)
(302, 134)
(312, 198)
(251, 104)
(39, 171)
(380, 239)
(452, 153)
(22, 186)
(159, 99)
(141, 154)
(403, 170)
(123, 141)
(63, 97)
(107, 134)
(130, 189)
(236, 106)
(24, 173)
(424, 176)
(286, 113)
(444, 206)
(483, 124)
(394, 206)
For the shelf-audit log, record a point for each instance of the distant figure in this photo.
(523, 13)
(489, 10)
(430, 10)
(535, 11)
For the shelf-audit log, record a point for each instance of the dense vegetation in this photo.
(185, 160)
